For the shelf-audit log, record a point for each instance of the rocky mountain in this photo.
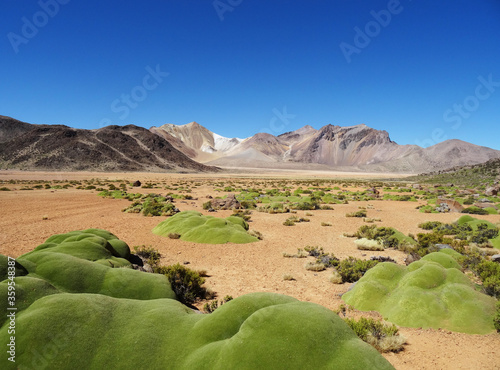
(178, 148)
(199, 139)
(10, 128)
(112, 148)
(349, 148)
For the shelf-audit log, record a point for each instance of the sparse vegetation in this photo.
(352, 269)
(213, 305)
(361, 213)
(381, 335)
(186, 283)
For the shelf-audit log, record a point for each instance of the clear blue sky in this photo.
(233, 65)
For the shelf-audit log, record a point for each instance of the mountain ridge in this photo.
(111, 148)
(356, 147)
(193, 147)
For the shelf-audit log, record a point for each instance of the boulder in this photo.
(229, 203)
(450, 204)
(485, 205)
(443, 246)
(491, 191)
(495, 258)
(485, 200)
(137, 183)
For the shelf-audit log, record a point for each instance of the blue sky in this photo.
(424, 71)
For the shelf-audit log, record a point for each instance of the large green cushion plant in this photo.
(429, 293)
(195, 227)
(80, 305)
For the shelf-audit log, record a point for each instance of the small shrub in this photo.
(207, 205)
(7, 189)
(288, 277)
(475, 211)
(381, 335)
(174, 235)
(430, 225)
(496, 318)
(289, 222)
(368, 245)
(151, 255)
(489, 272)
(257, 234)
(186, 283)
(352, 269)
(336, 278)
(244, 214)
(213, 305)
(360, 214)
(326, 224)
(248, 204)
(314, 266)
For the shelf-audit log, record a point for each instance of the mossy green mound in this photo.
(429, 293)
(474, 224)
(77, 310)
(261, 330)
(80, 262)
(195, 227)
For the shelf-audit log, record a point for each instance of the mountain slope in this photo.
(197, 138)
(11, 128)
(439, 157)
(112, 148)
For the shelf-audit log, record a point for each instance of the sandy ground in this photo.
(30, 217)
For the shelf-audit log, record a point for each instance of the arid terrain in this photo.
(30, 217)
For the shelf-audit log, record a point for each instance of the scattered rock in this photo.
(491, 191)
(484, 205)
(137, 184)
(450, 205)
(495, 258)
(443, 246)
(412, 257)
(229, 203)
(417, 187)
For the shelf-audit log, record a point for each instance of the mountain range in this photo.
(192, 147)
(331, 147)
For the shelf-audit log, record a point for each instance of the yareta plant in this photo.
(80, 305)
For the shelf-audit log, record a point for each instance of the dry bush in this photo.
(314, 266)
(368, 245)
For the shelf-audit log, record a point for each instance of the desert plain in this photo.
(30, 217)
